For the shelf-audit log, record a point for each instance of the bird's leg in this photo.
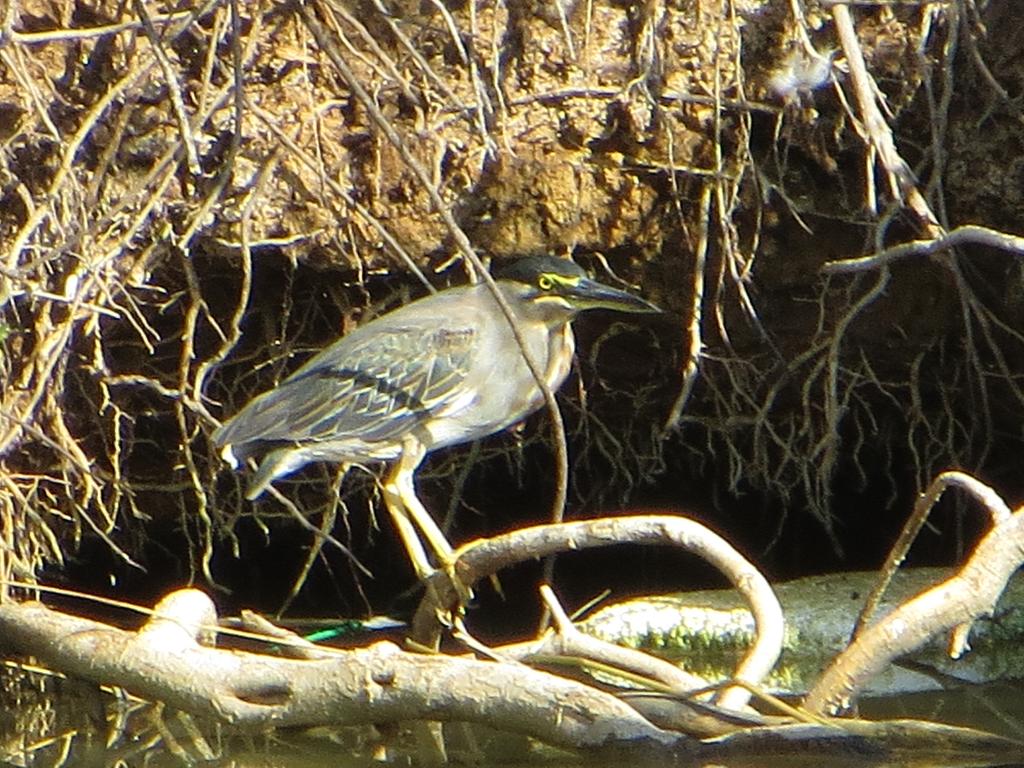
(410, 539)
(407, 510)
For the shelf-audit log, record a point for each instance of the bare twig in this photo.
(87, 33)
(174, 88)
(969, 234)
(694, 334)
(877, 132)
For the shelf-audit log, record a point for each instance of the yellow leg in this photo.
(409, 513)
(410, 539)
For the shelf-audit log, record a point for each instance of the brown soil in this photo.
(153, 277)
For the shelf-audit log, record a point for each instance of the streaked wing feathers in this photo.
(371, 387)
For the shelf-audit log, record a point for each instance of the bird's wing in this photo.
(374, 387)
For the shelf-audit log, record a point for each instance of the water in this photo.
(53, 721)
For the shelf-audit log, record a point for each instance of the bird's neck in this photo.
(561, 346)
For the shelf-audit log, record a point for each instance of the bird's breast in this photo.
(501, 389)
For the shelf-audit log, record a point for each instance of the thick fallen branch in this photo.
(163, 662)
(377, 684)
(383, 684)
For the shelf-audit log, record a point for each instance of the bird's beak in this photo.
(590, 294)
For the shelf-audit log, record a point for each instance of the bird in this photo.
(441, 370)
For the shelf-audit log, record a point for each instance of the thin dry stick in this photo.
(482, 102)
(87, 33)
(320, 534)
(263, 174)
(834, 408)
(185, 429)
(174, 89)
(563, 20)
(878, 133)
(198, 304)
(696, 345)
(461, 241)
(326, 526)
(188, 603)
(965, 235)
(371, 42)
(13, 59)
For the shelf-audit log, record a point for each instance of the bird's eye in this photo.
(545, 282)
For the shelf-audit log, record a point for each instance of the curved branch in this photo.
(481, 559)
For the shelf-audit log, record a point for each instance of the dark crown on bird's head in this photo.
(529, 269)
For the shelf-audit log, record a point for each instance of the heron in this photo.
(442, 370)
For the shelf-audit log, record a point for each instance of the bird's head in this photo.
(548, 281)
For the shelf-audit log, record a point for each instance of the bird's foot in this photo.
(463, 591)
(447, 590)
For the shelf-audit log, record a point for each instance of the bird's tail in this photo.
(278, 463)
